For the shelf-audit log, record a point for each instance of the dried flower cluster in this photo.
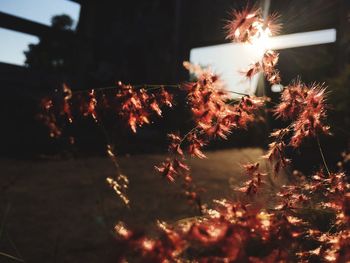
(276, 153)
(215, 113)
(233, 232)
(55, 111)
(175, 167)
(307, 221)
(269, 61)
(256, 179)
(133, 105)
(310, 120)
(214, 116)
(305, 107)
(266, 66)
(137, 104)
(321, 195)
(249, 26)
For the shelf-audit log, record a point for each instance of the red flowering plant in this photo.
(134, 105)
(306, 220)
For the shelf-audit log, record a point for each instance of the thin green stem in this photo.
(157, 85)
(11, 257)
(113, 159)
(238, 93)
(188, 133)
(322, 155)
(146, 86)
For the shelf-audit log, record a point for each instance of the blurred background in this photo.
(91, 44)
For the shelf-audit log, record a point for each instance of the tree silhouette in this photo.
(54, 52)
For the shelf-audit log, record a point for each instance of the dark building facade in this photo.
(146, 42)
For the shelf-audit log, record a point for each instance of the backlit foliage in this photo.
(248, 26)
(134, 105)
(306, 221)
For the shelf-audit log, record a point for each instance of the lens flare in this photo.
(261, 41)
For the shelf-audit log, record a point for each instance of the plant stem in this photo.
(11, 257)
(238, 93)
(146, 86)
(188, 133)
(322, 155)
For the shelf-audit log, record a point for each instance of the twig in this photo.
(151, 87)
(322, 155)
(11, 257)
(238, 93)
(188, 133)
(111, 155)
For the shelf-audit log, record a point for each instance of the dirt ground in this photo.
(64, 211)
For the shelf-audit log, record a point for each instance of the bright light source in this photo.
(260, 43)
(229, 60)
(303, 39)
